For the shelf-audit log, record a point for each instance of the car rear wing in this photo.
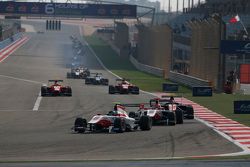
(94, 73)
(167, 96)
(52, 80)
(123, 79)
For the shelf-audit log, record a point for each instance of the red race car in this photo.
(123, 87)
(55, 89)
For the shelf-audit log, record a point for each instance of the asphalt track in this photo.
(28, 135)
(155, 163)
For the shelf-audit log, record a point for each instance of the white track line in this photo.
(20, 79)
(37, 103)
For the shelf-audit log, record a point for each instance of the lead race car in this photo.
(123, 87)
(78, 73)
(55, 88)
(97, 79)
(114, 121)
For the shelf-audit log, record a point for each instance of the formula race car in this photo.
(78, 73)
(55, 89)
(159, 116)
(123, 87)
(97, 79)
(172, 105)
(115, 121)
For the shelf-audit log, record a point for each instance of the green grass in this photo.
(220, 103)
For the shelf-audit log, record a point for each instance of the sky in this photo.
(164, 3)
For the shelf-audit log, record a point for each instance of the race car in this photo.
(123, 87)
(55, 89)
(78, 73)
(114, 121)
(168, 103)
(159, 115)
(97, 79)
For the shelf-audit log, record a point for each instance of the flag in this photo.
(235, 19)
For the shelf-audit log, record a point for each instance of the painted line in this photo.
(230, 125)
(19, 44)
(37, 103)
(233, 128)
(241, 138)
(39, 98)
(7, 47)
(20, 79)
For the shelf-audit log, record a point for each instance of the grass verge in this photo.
(220, 103)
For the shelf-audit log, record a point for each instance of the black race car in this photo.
(78, 73)
(96, 79)
(123, 87)
(55, 89)
(168, 103)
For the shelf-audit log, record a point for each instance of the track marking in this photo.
(20, 79)
(37, 103)
(13, 48)
(39, 98)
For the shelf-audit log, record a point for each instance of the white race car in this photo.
(115, 121)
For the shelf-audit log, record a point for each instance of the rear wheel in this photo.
(171, 119)
(111, 89)
(136, 90)
(132, 114)
(43, 90)
(145, 123)
(190, 112)
(119, 125)
(87, 81)
(80, 125)
(68, 75)
(179, 116)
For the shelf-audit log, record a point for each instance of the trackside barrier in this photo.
(146, 68)
(187, 80)
(8, 41)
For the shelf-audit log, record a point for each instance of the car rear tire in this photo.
(136, 90)
(111, 89)
(119, 125)
(132, 114)
(80, 125)
(179, 116)
(145, 123)
(43, 91)
(171, 119)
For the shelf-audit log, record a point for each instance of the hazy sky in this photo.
(173, 3)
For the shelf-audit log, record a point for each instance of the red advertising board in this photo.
(245, 73)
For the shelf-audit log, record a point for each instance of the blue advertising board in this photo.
(242, 107)
(170, 87)
(234, 47)
(202, 91)
(69, 9)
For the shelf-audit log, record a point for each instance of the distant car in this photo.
(96, 79)
(78, 73)
(55, 89)
(40, 32)
(115, 121)
(123, 87)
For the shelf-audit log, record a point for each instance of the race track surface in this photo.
(45, 134)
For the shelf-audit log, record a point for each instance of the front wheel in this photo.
(80, 125)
